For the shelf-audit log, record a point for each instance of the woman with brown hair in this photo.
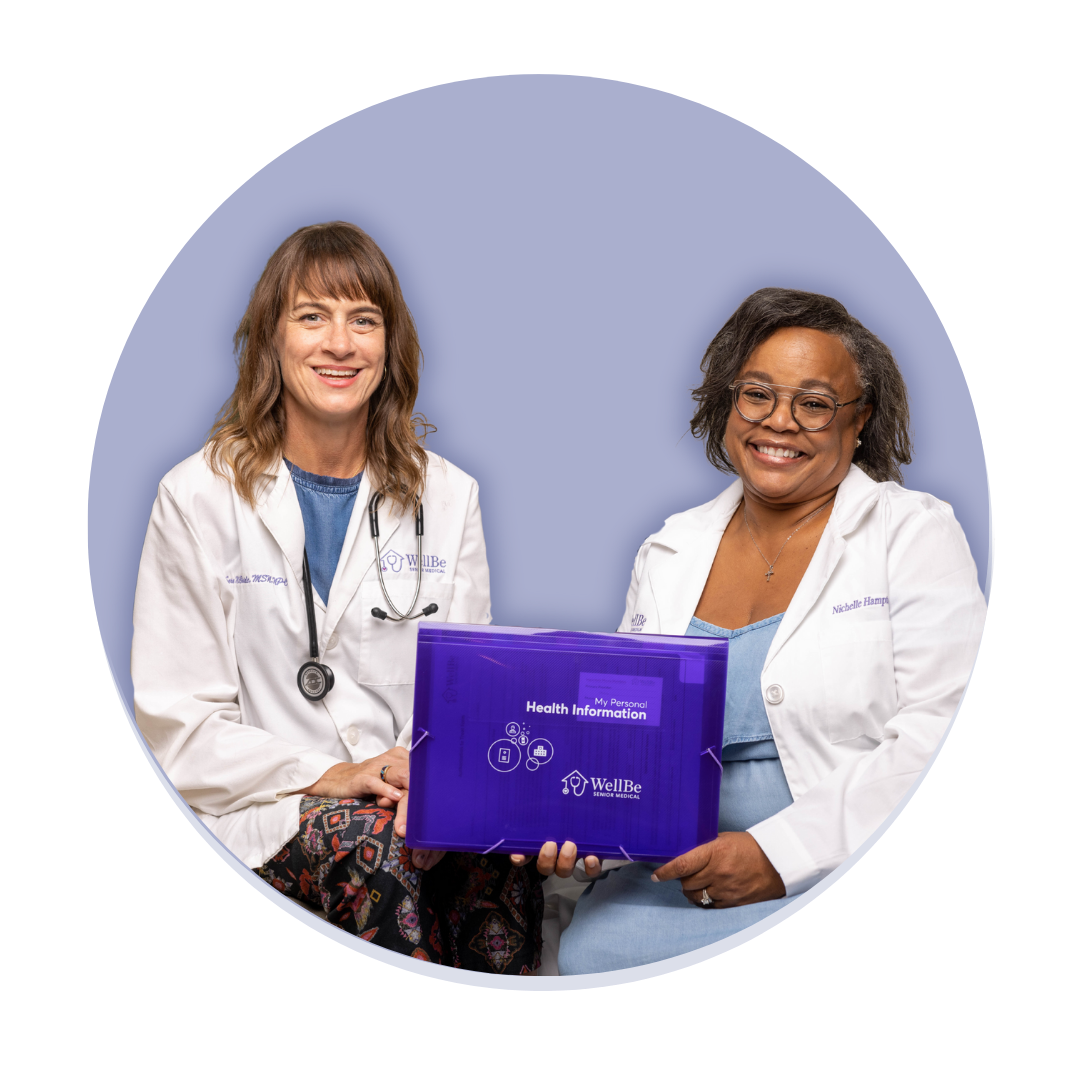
(284, 570)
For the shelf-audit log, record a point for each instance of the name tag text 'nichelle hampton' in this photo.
(855, 605)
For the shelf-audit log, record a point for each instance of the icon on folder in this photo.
(540, 752)
(576, 781)
(504, 755)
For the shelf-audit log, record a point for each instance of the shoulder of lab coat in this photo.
(865, 701)
(449, 486)
(673, 564)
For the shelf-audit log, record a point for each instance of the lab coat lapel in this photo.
(358, 552)
(678, 581)
(279, 510)
(854, 498)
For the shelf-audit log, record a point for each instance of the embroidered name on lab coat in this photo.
(256, 579)
(866, 601)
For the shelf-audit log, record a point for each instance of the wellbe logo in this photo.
(576, 781)
(394, 563)
(601, 786)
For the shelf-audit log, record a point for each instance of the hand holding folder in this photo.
(552, 859)
(732, 868)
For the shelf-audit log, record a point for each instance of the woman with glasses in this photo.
(852, 612)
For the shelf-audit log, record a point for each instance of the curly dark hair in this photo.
(886, 444)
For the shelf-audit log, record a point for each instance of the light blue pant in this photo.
(625, 919)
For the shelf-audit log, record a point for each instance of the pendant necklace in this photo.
(809, 517)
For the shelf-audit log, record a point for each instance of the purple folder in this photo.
(522, 736)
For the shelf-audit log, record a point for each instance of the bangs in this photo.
(339, 275)
(335, 261)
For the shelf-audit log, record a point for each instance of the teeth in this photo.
(334, 373)
(776, 451)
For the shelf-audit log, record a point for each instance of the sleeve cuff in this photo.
(796, 866)
(310, 765)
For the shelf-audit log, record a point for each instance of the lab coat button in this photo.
(774, 694)
(332, 643)
(353, 735)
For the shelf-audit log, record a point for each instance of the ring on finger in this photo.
(706, 900)
(382, 773)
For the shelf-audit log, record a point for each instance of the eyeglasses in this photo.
(812, 410)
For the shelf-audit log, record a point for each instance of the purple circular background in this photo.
(568, 247)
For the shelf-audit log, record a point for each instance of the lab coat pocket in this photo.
(860, 684)
(388, 649)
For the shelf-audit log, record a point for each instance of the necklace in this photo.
(809, 517)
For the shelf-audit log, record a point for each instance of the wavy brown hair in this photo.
(886, 444)
(339, 261)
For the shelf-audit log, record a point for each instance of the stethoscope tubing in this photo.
(315, 679)
(309, 603)
(373, 519)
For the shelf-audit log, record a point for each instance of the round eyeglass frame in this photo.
(837, 405)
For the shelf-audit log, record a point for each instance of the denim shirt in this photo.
(753, 786)
(326, 504)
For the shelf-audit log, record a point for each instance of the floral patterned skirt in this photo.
(469, 911)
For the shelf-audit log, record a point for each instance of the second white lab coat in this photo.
(868, 664)
(221, 631)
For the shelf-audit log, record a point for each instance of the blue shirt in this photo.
(754, 786)
(326, 503)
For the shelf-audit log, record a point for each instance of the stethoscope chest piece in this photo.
(315, 680)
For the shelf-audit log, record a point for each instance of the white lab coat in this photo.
(221, 631)
(858, 693)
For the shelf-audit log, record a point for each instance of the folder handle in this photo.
(413, 745)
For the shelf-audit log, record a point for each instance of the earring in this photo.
(858, 442)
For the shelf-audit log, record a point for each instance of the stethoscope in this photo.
(316, 680)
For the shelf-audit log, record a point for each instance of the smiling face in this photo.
(779, 463)
(332, 354)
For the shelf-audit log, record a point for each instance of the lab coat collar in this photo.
(693, 537)
(855, 497)
(279, 509)
(677, 583)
